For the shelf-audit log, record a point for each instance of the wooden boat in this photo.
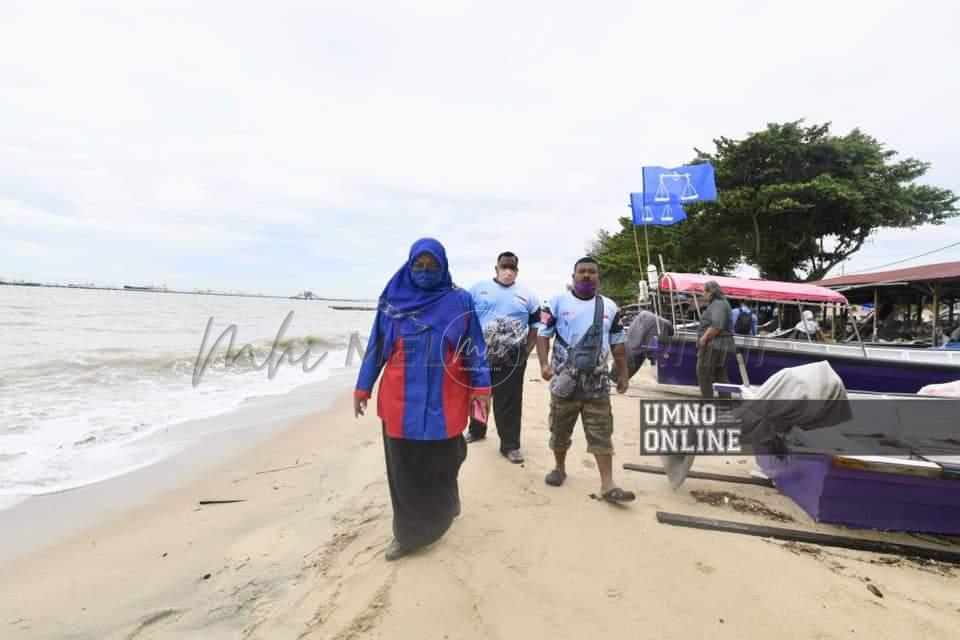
(862, 368)
(898, 491)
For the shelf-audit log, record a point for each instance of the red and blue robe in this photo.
(427, 380)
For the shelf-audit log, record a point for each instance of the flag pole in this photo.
(646, 242)
(636, 244)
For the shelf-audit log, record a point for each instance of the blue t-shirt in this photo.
(506, 314)
(753, 319)
(570, 317)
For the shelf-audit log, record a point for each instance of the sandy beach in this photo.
(302, 556)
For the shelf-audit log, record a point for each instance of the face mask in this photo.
(426, 279)
(506, 276)
(585, 289)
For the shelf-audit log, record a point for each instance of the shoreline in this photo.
(303, 556)
(181, 452)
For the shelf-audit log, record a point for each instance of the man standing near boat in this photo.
(587, 329)
(509, 314)
(715, 344)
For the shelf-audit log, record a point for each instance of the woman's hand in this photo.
(483, 399)
(359, 406)
(547, 372)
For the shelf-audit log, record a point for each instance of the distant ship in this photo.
(130, 287)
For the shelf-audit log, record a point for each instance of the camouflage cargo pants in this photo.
(597, 418)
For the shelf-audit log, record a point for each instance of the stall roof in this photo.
(925, 273)
(768, 290)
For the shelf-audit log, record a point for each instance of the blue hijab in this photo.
(405, 308)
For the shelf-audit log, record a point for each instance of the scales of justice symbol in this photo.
(663, 195)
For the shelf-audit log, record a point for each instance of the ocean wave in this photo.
(98, 368)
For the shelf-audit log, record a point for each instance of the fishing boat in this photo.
(897, 489)
(888, 369)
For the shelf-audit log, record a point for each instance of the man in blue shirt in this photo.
(508, 313)
(578, 373)
(747, 326)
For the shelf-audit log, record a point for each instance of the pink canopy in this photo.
(753, 289)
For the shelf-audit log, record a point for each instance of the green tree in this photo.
(793, 201)
(684, 248)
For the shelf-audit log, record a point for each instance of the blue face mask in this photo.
(426, 279)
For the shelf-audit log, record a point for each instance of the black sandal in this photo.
(555, 478)
(617, 495)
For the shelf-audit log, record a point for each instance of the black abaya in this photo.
(422, 475)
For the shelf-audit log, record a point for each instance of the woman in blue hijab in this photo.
(428, 344)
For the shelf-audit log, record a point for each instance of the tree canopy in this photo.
(793, 201)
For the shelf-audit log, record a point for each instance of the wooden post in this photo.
(953, 303)
(936, 314)
(833, 322)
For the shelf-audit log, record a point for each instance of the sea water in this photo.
(86, 376)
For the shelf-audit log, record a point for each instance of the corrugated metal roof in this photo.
(925, 273)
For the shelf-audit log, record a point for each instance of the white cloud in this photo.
(324, 138)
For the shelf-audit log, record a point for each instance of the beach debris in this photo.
(296, 465)
(206, 576)
(811, 537)
(741, 504)
(164, 555)
(874, 590)
(202, 502)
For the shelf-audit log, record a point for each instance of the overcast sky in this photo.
(281, 146)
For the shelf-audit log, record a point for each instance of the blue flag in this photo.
(679, 185)
(657, 214)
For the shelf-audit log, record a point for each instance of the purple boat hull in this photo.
(677, 365)
(866, 499)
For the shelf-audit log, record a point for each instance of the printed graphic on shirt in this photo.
(505, 313)
(569, 318)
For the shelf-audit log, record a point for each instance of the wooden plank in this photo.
(886, 464)
(808, 537)
(701, 475)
